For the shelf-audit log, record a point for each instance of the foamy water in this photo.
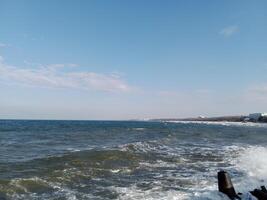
(223, 123)
(128, 160)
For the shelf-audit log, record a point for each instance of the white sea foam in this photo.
(139, 129)
(184, 176)
(121, 171)
(207, 192)
(246, 164)
(157, 164)
(253, 161)
(223, 123)
(135, 193)
(248, 160)
(141, 147)
(73, 150)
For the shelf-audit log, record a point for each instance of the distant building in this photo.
(201, 117)
(257, 116)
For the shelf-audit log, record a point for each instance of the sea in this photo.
(128, 160)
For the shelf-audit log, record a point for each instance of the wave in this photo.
(247, 124)
(252, 164)
(135, 193)
(155, 169)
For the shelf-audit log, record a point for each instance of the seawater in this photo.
(127, 159)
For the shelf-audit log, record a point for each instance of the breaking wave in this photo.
(154, 161)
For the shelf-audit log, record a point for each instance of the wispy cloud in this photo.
(54, 76)
(229, 31)
(3, 45)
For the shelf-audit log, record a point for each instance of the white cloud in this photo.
(229, 30)
(260, 90)
(3, 45)
(52, 76)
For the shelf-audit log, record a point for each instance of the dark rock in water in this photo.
(259, 194)
(263, 188)
(225, 185)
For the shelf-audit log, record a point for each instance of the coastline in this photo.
(236, 118)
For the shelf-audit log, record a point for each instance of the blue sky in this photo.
(132, 59)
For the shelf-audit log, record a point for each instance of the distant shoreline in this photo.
(238, 118)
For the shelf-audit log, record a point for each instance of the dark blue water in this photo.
(127, 159)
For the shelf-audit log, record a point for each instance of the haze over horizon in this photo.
(132, 59)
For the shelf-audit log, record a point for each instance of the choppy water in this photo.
(128, 160)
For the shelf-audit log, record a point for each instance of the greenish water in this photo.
(127, 160)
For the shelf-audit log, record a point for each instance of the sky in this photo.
(124, 59)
